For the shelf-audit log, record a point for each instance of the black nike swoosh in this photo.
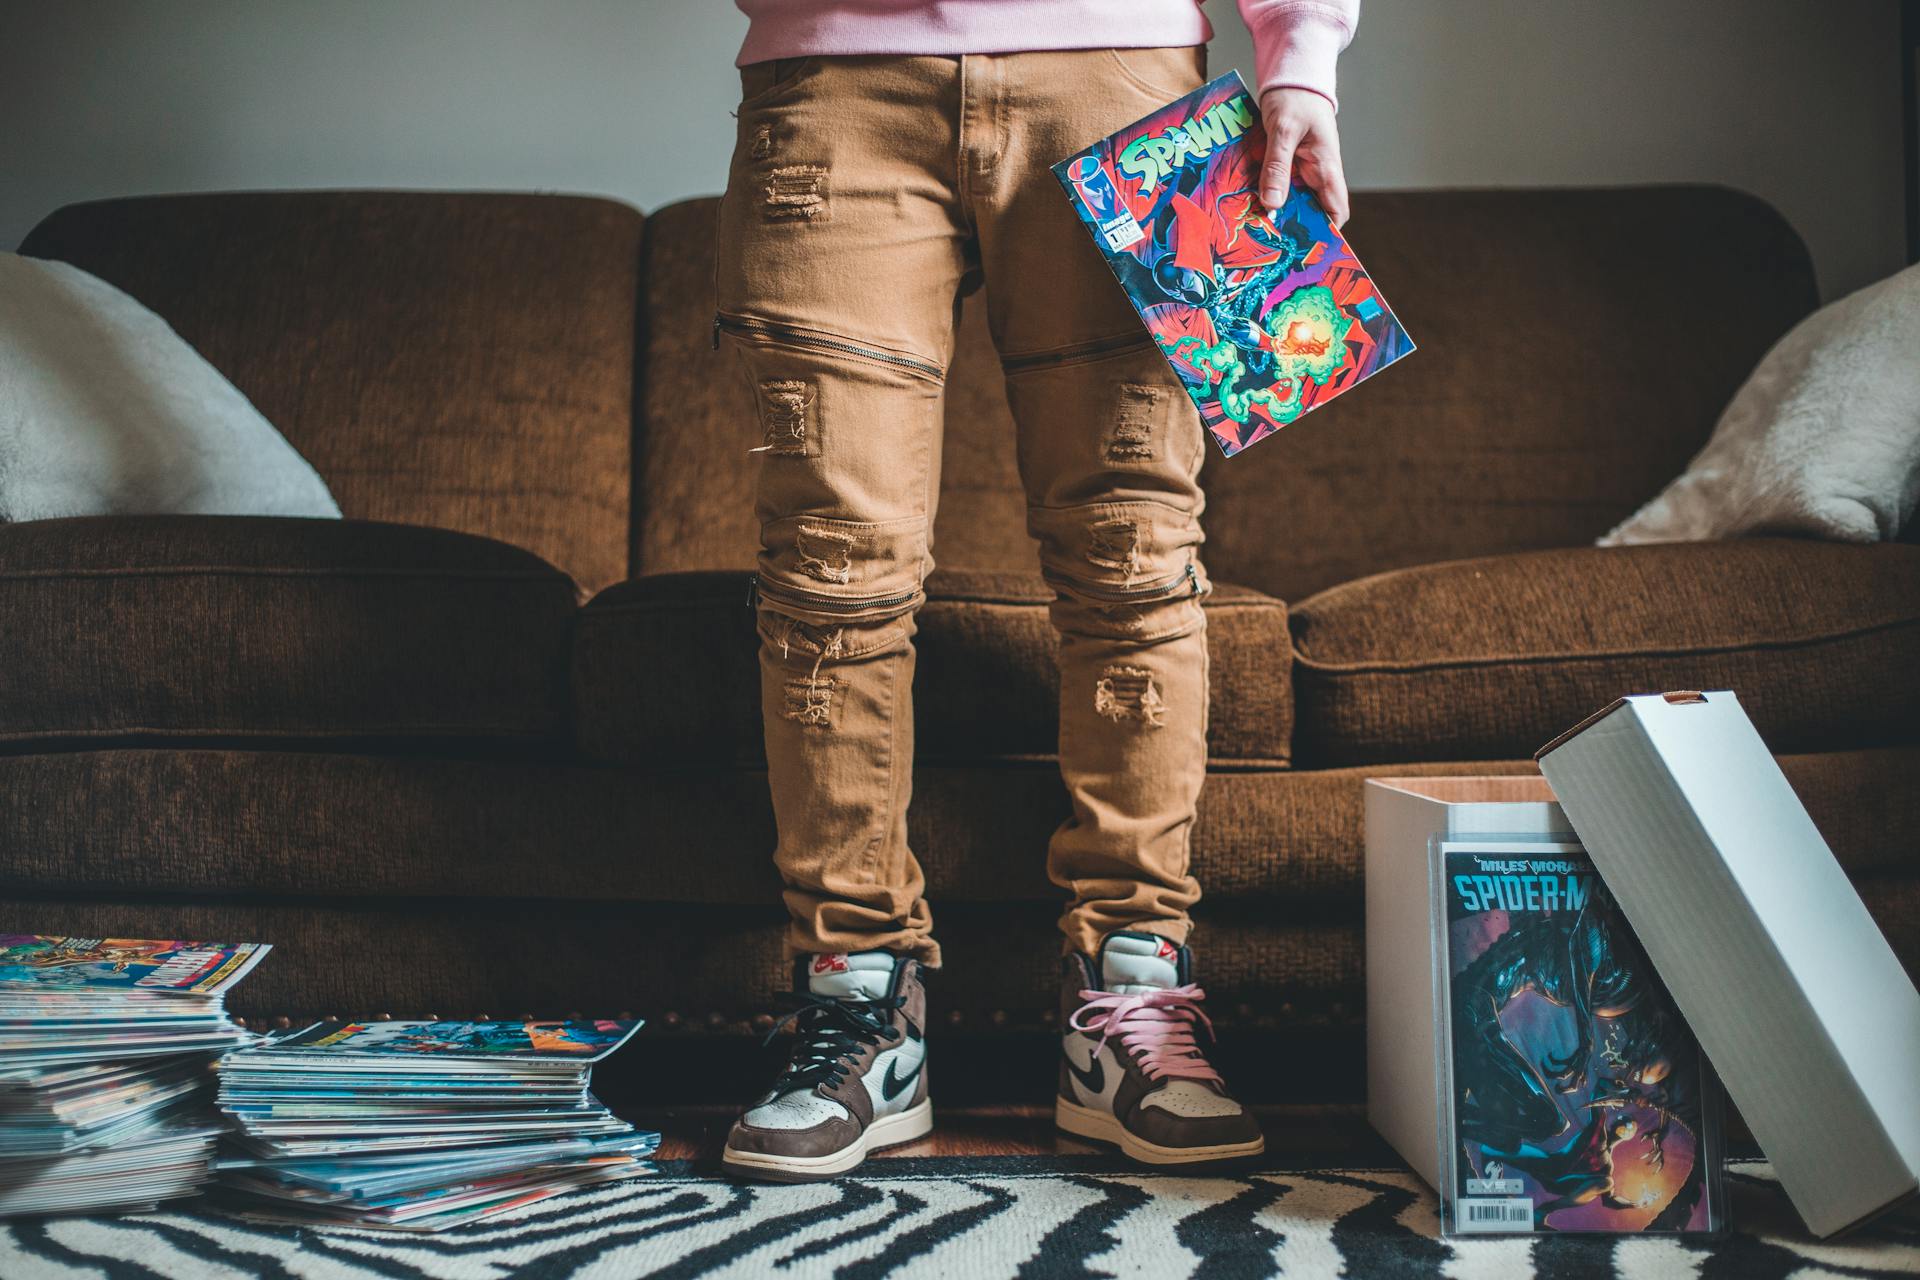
(891, 1085)
(1094, 1078)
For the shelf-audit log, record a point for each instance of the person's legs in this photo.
(1110, 453)
(840, 251)
(1110, 450)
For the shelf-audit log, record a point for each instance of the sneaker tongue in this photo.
(1131, 963)
(863, 975)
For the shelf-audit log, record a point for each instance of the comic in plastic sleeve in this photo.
(1264, 316)
(1574, 1097)
(200, 968)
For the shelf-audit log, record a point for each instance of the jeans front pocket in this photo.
(762, 83)
(1162, 74)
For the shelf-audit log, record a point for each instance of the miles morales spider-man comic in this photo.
(1579, 1100)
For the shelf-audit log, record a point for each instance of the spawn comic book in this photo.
(1265, 316)
(1574, 1097)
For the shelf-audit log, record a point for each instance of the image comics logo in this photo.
(1096, 188)
(831, 963)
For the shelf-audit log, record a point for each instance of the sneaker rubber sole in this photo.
(1104, 1126)
(888, 1131)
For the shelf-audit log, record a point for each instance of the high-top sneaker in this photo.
(856, 1080)
(1134, 1071)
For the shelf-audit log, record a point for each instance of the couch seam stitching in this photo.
(445, 730)
(1388, 667)
(1232, 764)
(663, 606)
(234, 571)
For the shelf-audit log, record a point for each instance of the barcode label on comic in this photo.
(1495, 1215)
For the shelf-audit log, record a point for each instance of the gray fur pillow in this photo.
(1823, 440)
(105, 410)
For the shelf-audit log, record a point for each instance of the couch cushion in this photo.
(1489, 659)
(252, 628)
(456, 359)
(665, 672)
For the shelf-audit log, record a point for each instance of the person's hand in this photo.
(1303, 145)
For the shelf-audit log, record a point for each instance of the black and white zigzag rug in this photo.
(966, 1217)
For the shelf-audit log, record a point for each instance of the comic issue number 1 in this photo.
(1265, 316)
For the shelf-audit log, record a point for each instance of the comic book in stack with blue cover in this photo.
(106, 1067)
(1264, 315)
(419, 1126)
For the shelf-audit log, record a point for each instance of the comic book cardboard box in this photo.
(1757, 937)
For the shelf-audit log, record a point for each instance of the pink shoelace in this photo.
(1157, 1027)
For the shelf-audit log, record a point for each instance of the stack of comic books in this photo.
(106, 1052)
(419, 1126)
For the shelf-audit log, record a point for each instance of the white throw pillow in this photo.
(1823, 440)
(105, 410)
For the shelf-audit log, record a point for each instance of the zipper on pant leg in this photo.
(760, 588)
(816, 340)
(1079, 351)
(1163, 589)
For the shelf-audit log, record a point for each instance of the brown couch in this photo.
(492, 743)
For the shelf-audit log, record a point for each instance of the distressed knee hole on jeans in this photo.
(796, 191)
(822, 642)
(1131, 439)
(825, 554)
(810, 700)
(1129, 693)
(1114, 544)
(786, 409)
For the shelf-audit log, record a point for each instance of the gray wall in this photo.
(1797, 100)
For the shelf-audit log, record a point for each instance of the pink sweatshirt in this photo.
(1295, 42)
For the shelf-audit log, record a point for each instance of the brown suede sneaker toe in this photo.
(856, 1080)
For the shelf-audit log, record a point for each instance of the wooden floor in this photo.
(1325, 1135)
(1339, 1134)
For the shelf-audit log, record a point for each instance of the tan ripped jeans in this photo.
(866, 195)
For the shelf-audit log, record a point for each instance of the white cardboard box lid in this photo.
(1795, 994)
